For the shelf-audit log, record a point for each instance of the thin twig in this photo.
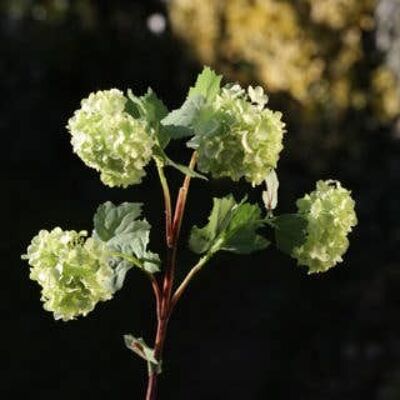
(181, 201)
(157, 293)
(182, 287)
(167, 204)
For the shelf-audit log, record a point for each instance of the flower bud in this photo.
(330, 215)
(110, 140)
(74, 273)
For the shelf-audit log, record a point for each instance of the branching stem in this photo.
(182, 287)
(164, 304)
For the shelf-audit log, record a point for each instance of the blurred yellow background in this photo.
(310, 50)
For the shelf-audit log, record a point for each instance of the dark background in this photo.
(250, 327)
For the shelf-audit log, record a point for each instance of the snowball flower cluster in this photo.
(109, 139)
(241, 138)
(330, 215)
(74, 273)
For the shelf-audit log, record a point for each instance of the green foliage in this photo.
(208, 85)
(139, 347)
(150, 108)
(231, 227)
(180, 123)
(202, 239)
(127, 237)
(110, 220)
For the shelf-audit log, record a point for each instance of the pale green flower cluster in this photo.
(245, 139)
(110, 140)
(330, 215)
(74, 273)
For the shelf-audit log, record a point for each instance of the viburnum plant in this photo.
(232, 134)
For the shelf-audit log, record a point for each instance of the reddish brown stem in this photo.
(172, 238)
(184, 284)
(158, 346)
(176, 229)
(157, 294)
(181, 201)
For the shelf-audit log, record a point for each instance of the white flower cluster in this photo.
(330, 215)
(110, 140)
(74, 273)
(245, 138)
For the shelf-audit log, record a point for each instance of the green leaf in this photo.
(290, 231)
(135, 244)
(179, 123)
(153, 110)
(127, 237)
(201, 239)
(182, 122)
(130, 245)
(241, 236)
(111, 220)
(139, 347)
(163, 137)
(231, 227)
(148, 106)
(154, 106)
(208, 84)
(208, 123)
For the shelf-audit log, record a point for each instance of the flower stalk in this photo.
(165, 304)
